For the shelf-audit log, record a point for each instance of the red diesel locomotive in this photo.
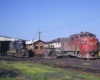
(83, 45)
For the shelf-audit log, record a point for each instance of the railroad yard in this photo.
(91, 67)
(50, 40)
(72, 58)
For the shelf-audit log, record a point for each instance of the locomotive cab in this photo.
(89, 45)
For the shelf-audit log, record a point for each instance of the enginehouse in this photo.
(4, 44)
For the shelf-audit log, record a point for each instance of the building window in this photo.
(41, 47)
(36, 47)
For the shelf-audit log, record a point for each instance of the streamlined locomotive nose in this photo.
(90, 47)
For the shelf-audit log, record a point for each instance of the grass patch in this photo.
(41, 72)
(3, 65)
(99, 53)
(88, 77)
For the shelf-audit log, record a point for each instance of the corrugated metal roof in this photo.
(5, 38)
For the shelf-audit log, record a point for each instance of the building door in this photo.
(0, 48)
(4, 47)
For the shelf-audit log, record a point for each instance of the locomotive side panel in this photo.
(65, 44)
(77, 42)
(72, 44)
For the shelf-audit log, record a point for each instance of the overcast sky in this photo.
(57, 18)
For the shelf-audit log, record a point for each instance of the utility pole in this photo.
(39, 34)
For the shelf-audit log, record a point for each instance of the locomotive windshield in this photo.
(83, 35)
(91, 35)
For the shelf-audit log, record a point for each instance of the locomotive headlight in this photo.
(91, 38)
(83, 42)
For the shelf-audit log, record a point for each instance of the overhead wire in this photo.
(71, 25)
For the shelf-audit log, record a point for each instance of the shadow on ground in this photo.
(10, 73)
